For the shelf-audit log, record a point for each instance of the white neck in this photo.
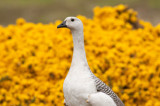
(79, 55)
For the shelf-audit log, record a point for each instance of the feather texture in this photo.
(102, 87)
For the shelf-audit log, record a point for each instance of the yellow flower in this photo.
(20, 21)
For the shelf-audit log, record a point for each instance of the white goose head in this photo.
(76, 27)
(72, 23)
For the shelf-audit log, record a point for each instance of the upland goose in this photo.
(80, 82)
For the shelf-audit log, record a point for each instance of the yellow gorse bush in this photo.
(121, 49)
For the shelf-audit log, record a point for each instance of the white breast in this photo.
(77, 86)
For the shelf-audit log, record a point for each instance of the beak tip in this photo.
(63, 24)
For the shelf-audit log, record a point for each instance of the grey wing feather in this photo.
(102, 87)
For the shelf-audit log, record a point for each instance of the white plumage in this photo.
(100, 99)
(80, 81)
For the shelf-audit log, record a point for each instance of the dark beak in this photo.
(63, 24)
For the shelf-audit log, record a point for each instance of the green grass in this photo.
(154, 4)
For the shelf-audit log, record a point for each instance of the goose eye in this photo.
(72, 19)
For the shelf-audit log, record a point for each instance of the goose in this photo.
(80, 82)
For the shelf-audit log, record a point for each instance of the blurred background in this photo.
(47, 11)
(35, 58)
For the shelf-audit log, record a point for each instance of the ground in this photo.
(47, 11)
